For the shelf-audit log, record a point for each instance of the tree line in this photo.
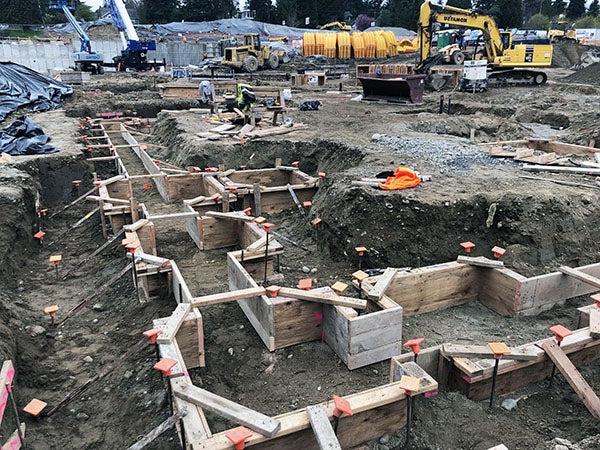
(312, 13)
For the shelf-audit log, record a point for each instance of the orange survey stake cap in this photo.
(238, 437)
(341, 406)
(414, 344)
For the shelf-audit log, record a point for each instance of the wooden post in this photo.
(257, 201)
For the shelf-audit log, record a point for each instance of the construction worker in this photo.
(206, 92)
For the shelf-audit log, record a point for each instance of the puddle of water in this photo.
(542, 130)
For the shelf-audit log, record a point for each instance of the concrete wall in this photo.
(44, 56)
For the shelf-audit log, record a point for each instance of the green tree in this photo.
(594, 8)
(84, 12)
(557, 8)
(265, 12)
(587, 22)
(576, 9)
(159, 11)
(546, 8)
(400, 13)
(287, 10)
(508, 13)
(21, 11)
(538, 22)
(203, 10)
(464, 4)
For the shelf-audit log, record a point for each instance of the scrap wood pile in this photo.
(571, 158)
(232, 126)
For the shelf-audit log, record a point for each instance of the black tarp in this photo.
(21, 86)
(24, 137)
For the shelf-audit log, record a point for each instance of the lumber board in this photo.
(499, 290)
(155, 432)
(169, 330)
(329, 299)
(480, 261)
(335, 330)
(229, 216)
(225, 297)
(434, 287)
(230, 410)
(258, 244)
(573, 377)
(594, 322)
(483, 351)
(382, 284)
(376, 411)
(581, 276)
(543, 291)
(559, 169)
(216, 233)
(322, 428)
(179, 284)
(296, 321)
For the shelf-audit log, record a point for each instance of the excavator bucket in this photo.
(394, 88)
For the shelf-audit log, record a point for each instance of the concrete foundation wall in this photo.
(45, 56)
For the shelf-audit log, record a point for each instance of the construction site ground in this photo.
(471, 196)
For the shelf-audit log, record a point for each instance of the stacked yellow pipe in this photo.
(370, 45)
(308, 44)
(381, 46)
(330, 45)
(343, 45)
(358, 45)
(319, 43)
(391, 42)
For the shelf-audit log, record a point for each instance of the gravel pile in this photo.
(587, 75)
(449, 157)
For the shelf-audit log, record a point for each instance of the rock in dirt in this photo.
(305, 269)
(98, 307)
(509, 404)
(88, 359)
(35, 330)
(82, 416)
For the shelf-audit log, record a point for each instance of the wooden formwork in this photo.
(546, 145)
(501, 289)
(268, 190)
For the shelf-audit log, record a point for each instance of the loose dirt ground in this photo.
(541, 224)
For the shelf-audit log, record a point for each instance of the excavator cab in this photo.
(506, 39)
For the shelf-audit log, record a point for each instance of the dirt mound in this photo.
(587, 75)
(567, 54)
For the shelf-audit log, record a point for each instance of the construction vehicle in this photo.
(85, 59)
(510, 63)
(337, 26)
(251, 56)
(135, 52)
(561, 30)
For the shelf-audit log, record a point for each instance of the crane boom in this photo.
(86, 43)
(122, 20)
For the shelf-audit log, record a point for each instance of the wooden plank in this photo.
(499, 290)
(322, 428)
(230, 410)
(225, 297)
(229, 216)
(376, 411)
(169, 330)
(382, 284)
(573, 377)
(468, 367)
(480, 261)
(257, 199)
(544, 291)
(256, 245)
(154, 433)
(483, 351)
(559, 169)
(594, 322)
(581, 276)
(430, 288)
(329, 299)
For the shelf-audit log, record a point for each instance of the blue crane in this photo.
(135, 52)
(85, 59)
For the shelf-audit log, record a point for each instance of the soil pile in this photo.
(588, 75)
(567, 53)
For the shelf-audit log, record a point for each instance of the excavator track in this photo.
(517, 77)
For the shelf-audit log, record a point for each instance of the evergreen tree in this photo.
(265, 12)
(287, 10)
(508, 13)
(159, 11)
(557, 8)
(464, 4)
(594, 9)
(203, 10)
(21, 11)
(576, 9)
(401, 13)
(546, 8)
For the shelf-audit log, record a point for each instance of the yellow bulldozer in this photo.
(252, 56)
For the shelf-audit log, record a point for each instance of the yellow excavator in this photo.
(510, 62)
(336, 26)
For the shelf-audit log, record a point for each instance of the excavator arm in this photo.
(494, 46)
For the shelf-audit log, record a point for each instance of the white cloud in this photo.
(95, 4)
